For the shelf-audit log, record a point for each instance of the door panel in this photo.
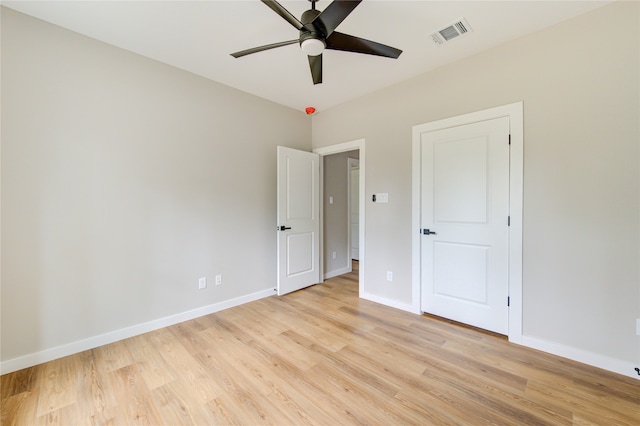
(461, 180)
(464, 283)
(299, 213)
(299, 246)
(300, 187)
(465, 201)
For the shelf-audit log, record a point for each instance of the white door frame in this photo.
(357, 144)
(515, 113)
(351, 164)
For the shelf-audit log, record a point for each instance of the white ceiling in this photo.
(199, 36)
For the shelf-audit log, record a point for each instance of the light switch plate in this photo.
(382, 197)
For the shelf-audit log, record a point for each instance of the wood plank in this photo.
(57, 384)
(152, 367)
(134, 402)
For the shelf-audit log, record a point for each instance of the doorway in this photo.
(354, 148)
(337, 218)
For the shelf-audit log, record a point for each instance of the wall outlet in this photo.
(333, 255)
(218, 279)
(389, 276)
(202, 283)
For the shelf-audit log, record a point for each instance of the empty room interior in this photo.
(409, 230)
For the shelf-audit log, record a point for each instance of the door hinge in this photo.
(508, 220)
(509, 139)
(508, 301)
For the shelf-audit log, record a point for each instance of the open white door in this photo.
(298, 219)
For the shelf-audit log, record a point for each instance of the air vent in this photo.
(448, 33)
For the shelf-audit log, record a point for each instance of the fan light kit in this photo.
(312, 46)
(317, 33)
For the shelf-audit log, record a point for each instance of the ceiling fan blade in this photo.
(349, 43)
(277, 7)
(315, 63)
(334, 14)
(261, 48)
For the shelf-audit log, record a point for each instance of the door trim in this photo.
(516, 127)
(357, 144)
(352, 163)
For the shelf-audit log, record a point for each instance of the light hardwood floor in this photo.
(320, 356)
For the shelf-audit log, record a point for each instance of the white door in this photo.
(464, 223)
(298, 219)
(354, 205)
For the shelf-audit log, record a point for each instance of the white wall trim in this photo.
(340, 147)
(47, 355)
(358, 144)
(337, 272)
(596, 360)
(516, 169)
(391, 303)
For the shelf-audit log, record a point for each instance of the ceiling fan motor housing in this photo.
(310, 30)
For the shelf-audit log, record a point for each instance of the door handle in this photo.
(428, 232)
(283, 228)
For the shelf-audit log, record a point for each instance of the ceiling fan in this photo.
(317, 33)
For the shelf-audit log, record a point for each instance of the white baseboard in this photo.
(391, 303)
(596, 360)
(337, 272)
(47, 355)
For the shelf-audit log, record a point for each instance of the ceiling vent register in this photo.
(448, 33)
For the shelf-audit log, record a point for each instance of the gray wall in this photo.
(123, 181)
(579, 82)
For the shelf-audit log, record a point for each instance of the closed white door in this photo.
(464, 224)
(298, 215)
